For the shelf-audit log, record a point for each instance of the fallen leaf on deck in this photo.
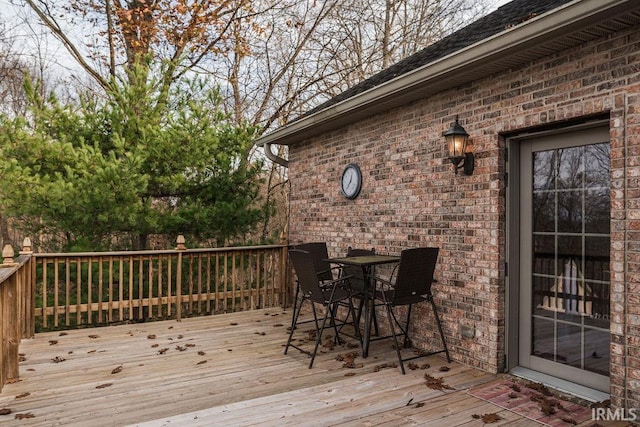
(180, 348)
(58, 359)
(260, 333)
(491, 418)
(24, 416)
(201, 362)
(201, 353)
(349, 374)
(162, 350)
(91, 351)
(233, 324)
(382, 366)
(155, 345)
(444, 369)
(22, 359)
(5, 411)
(53, 342)
(151, 337)
(180, 337)
(190, 345)
(104, 385)
(22, 395)
(117, 370)
(569, 420)
(277, 324)
(94, 336)
(13, 380)
(62, 334)
(31, 369)
(436, 383)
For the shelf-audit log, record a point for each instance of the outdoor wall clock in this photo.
(351, 181)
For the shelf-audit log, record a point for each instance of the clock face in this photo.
(351, 181)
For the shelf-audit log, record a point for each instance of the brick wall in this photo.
(411, 196)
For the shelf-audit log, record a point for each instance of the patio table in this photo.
(366, 262)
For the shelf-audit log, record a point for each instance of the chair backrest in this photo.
(357, 278)
(308, 280)
(319, 253)
(415, 275)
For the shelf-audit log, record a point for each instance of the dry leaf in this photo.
(201, 353)
(491, 418)
(436, 383)
(201, 362)
(5, 411)
(62, 334)
(151, 337)
(180, 348)
(53, 342)
(190, 345)
(22, 395)
(24, 416)
(58, 359)
(444, 369)
(94, 336)
(155, 345)
(13, 380)
(104, 385)
(162, 350)
(117, 370)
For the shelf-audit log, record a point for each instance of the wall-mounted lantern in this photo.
(456, 138)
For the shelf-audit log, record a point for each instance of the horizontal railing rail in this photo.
(92, 289)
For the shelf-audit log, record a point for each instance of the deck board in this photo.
(245, 380)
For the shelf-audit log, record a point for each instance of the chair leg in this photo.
(295, 306)
(294, 320)
(405, 344)
(319, 334)
(444, 343)
(392, 319)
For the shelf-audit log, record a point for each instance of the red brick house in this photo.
(539, 268)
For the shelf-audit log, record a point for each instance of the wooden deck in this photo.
(228, 370)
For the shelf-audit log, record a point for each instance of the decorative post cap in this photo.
(26, 246)
(7, 255)
(180, 246)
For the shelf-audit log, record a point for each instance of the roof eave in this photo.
(414, 85)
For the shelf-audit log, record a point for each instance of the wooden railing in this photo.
(16, 310)
(91, 289)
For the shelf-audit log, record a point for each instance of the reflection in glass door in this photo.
(565, 244)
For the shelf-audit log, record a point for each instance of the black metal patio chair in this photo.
(320, 254)
(412, 284)
(328, 293)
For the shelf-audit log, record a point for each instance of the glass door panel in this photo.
(565, 272)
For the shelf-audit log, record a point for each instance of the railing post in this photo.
(180, 247)
(28, 302)
(9, 322)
